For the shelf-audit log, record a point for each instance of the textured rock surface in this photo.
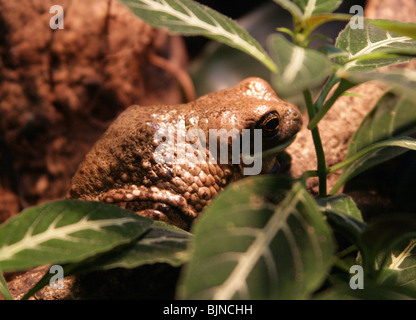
(59, 90)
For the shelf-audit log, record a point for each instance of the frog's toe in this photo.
(175, 218)
(153, 214)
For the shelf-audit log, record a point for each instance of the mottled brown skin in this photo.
(121, 167)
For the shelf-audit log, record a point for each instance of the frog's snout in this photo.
(291, 123)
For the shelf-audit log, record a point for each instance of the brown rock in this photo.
(60, 89)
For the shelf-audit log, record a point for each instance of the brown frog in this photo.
(124, 167)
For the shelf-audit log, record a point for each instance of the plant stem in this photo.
(341, 265)
(332, 81)
(320, 155)
(347, 251)
(309, 174)
(343, 86)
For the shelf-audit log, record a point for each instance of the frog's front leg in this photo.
(171, 216)
(154, 203)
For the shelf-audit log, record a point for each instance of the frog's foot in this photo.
(152, 202)
(167, 215)
(279, 164)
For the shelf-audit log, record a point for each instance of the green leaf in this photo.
(352, 94)
(319, 19)
(65, 231)
(187, 17)
(262, 238)
(346, 225)
(312, 7)
(291, 7)
(372, 291)
(381, 237)
(160, 244)
(393, 116)
(341, 203)
(331, 51)
(402, 261)
(404, 28)
(402, 81)
(4, 290)
(299, 68)
(219, 65)
(380, 137)
(362, 44)
(371, 156)
(388, 261)
(342, 215)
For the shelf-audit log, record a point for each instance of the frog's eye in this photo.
(269, 124)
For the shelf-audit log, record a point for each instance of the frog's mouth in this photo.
(272, 152)
(271, 163)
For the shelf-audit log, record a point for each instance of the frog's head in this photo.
(278, 119)
(253, 104)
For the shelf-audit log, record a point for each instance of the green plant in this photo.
(278, 242)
